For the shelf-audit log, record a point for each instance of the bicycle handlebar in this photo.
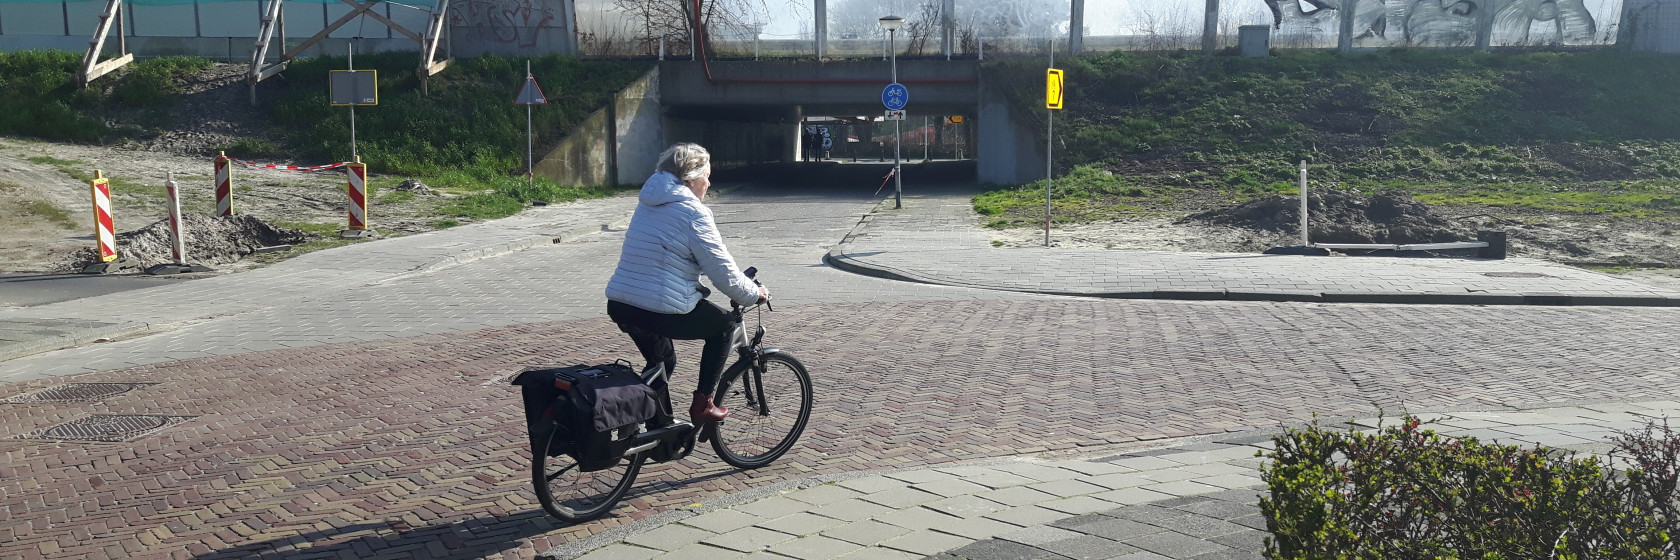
(752, 272)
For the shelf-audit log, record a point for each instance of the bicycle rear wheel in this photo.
(766, 413)
(575, 496)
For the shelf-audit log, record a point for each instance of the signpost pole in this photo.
(350, 61)
(898, 177)
(1049, 146)
(530, 164)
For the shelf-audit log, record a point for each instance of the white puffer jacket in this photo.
(672, 239)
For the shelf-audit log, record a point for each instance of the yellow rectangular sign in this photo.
(1053, 89)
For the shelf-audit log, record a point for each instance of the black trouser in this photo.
(653, 333)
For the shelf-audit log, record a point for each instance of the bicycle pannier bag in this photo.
(596, 410)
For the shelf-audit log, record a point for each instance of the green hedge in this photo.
(1409, 492)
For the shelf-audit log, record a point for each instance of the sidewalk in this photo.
(933, 240)
(335, 273)
(1183, 500)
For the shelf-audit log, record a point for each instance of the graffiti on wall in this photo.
(1443, 22)
(510, 22)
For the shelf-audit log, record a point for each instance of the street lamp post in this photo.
(891, 24)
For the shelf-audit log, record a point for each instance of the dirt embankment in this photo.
(1645, 251)
(46, 214)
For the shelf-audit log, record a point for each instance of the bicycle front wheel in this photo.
(767, 412)
(570, 494)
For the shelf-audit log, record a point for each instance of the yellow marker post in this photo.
(1053, 82)
(1053, 88)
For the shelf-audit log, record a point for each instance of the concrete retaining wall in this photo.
(1010, 152)
(614, 145)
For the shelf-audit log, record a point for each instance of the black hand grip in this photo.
(751, 271)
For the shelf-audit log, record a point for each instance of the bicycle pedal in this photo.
(707, 432)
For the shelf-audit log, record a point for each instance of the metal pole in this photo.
(530, 160)
(1049, 148)
(898, 178)
(924, 139)
(1304, 242)
(350, 61)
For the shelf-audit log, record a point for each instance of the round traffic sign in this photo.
(895, 96)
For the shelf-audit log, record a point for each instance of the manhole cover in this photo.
(1516, 275)
(107, 427)
(76, 392)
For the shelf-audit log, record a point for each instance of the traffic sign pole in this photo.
(530, 94)
(530, 161)
(1052, 101)
(350, 61)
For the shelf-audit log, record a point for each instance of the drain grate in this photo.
(107, 427)
(1516, 275)
(76, 392)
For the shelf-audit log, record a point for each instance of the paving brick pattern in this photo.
(376, 423)
(415, 441)
(1217, 518)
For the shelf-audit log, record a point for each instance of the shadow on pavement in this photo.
(472, 538)
(31, 290)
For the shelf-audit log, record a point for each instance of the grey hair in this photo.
(686, 160)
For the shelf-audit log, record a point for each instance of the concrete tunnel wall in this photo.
(620, 144)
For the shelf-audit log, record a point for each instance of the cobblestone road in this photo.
(378, 423)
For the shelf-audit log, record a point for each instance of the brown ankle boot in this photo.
(704, 411)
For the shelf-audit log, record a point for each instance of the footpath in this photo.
(33, 330)
(1179, 499)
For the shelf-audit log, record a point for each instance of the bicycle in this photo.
(767, 390)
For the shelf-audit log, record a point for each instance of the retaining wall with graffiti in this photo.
(1450, 23)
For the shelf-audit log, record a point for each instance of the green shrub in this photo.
(1409, 492)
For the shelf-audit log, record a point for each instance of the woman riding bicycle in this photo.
(655, 294)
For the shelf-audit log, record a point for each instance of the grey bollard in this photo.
(1496, 244)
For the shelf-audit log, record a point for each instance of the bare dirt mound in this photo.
(209, 240)
(1341, 217)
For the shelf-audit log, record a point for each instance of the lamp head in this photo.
(891, 23)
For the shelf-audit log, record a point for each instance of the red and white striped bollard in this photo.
(224, 185)
(177, 246)
(104, 224)
(358, 202)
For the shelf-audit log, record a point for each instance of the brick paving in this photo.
(378, 423)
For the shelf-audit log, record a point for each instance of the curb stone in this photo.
(79, 337)
(837, 257)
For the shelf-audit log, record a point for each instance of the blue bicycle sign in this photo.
(895, 96)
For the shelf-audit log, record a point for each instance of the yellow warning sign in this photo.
(1053, 89)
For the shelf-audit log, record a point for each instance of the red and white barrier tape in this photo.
(297, 168)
